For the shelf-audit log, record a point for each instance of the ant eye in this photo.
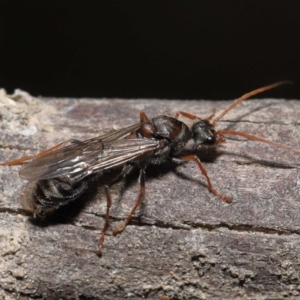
(211, 140)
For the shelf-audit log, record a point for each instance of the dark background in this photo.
(149, 49)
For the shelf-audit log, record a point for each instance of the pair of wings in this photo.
(82, 158)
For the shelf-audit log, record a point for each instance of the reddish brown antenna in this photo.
(255, 138)
(245, 135)
(248, 95)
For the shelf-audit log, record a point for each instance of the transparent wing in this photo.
(80, 159)
(117, 134)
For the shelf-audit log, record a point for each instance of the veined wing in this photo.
(88, 159)
(117, 134)
(80, 159)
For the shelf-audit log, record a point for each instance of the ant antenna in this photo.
(245, 135)
(256, 138)
(248, 95)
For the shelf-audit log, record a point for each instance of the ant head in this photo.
(204, 134)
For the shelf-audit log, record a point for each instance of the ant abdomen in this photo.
(49, 194)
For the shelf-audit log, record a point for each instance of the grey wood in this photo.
(183, 243)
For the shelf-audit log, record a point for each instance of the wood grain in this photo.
(184, 243)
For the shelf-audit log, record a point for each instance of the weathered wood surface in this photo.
(184, 243)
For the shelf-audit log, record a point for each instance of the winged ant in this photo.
(61, 173)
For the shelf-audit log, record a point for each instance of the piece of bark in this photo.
(183, 243)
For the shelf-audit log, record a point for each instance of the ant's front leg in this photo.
(203, 171)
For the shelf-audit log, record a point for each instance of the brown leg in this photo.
(185, 114)
(203, 171)
(193, 117)
(211, 115)
(102, 236)
(138, 202)
(19, 161)
(25, 159)
(143, 117)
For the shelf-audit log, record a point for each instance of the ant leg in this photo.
(125, 171)
(143, 117)
(203, 171)
(138, 202)
(211, 115)
(103, 232)
(25, 159)
(185, 114)
(193, 117)
(19, 161)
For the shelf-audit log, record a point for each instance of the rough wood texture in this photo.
(184, 243)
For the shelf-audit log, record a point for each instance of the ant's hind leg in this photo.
(138, 202)
(103, 232)
(26, 159)
(203, 171)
